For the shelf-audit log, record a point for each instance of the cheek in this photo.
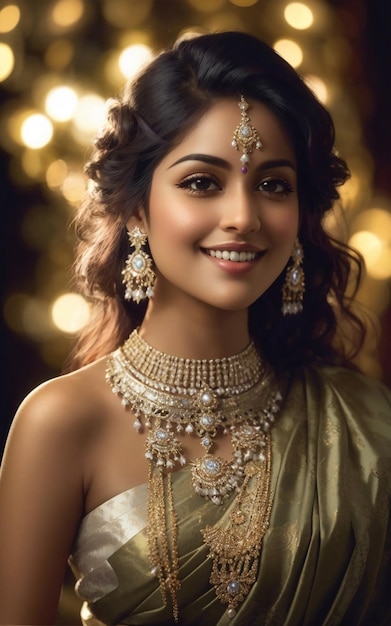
(165, 219)
(172, 227)
(176, 220)
(282, 224)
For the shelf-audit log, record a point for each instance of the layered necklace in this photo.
(235, 396)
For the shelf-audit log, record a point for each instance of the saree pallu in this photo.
(325, 559)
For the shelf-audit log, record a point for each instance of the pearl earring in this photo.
(138, 275)
(293, 288)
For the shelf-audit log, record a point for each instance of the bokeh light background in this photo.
(61, 60)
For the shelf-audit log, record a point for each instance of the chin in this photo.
(242, 301)
(240, 304)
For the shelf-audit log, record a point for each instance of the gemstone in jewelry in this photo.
(245, 131)
(208, 399)
(212, 466)
(207, 421)
(295, 277)
(233, 587)
(138, 262)
(161, 434)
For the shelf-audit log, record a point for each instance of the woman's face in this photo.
(218, 236)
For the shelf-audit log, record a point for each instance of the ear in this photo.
(138, 219)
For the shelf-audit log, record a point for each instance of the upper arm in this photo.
(41, 496)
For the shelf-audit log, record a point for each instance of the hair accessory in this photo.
(234, 396)
(138, 275)
(294, 285)
(245, 136)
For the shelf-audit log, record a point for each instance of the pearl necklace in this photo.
(230, 395)
(234, 395)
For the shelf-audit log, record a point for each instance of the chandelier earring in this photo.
(138, 274)
(294, 285)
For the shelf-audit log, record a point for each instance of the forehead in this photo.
(214, 131)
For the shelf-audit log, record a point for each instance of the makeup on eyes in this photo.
(223, 163)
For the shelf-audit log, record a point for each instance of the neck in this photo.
(205, 334)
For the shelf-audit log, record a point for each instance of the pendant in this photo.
(213, 478)
(164, 448)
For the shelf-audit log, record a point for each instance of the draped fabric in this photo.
(326, 557)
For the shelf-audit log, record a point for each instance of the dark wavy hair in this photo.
(152, 116)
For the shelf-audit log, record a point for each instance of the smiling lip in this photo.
(234, 252)
(233, 256)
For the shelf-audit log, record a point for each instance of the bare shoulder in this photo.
(57, 422)
(43, 487)
(69, 405)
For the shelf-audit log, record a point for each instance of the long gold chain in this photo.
(235, 550)
(234, 395)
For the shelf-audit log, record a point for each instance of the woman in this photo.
(254, 488)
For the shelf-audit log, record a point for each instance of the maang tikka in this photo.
(246, 135)
(138, 275)
(294, 285)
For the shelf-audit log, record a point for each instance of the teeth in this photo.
(232, 255)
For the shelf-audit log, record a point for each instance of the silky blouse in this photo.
(326, 557)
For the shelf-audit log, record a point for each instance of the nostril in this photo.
(240, 218)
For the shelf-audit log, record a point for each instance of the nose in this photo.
(240, 213)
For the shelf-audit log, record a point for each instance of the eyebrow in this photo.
(213, 160)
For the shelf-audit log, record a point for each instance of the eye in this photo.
(276, 186)
(199, 184)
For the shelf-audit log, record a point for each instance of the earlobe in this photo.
(138, 219)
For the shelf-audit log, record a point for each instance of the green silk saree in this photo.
(325, 559)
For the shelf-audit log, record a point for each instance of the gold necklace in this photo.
(235, 395)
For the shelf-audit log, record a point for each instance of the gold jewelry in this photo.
(294, 285)
(235, 395)
(246, 135)
(162, 535)
(200, 397)
(138, 275)
(235, 550)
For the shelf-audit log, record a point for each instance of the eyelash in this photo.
(276, 181)
(286, 186)
(186, 184)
